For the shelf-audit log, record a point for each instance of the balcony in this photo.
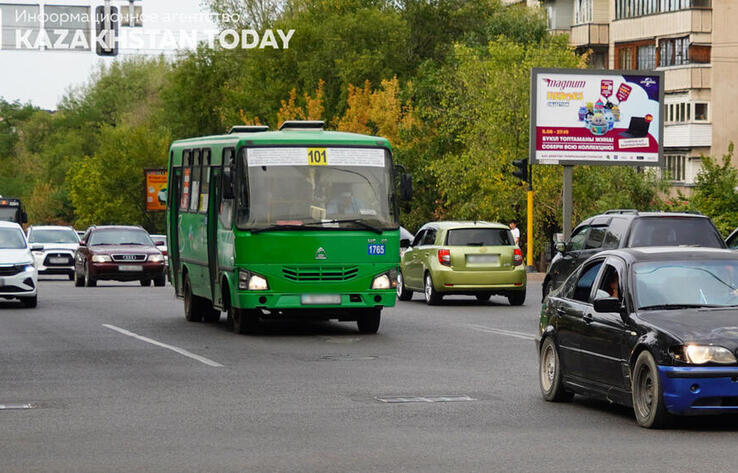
(688, 135)
(696, 22)
(689, 76)
(589, 34)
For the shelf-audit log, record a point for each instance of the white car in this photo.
(18, 275)
(55, 248)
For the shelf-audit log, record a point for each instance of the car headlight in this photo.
(29, 267)
(701, 354)
(156, 258)
(101, 259)
(248, 281)
(386, 280)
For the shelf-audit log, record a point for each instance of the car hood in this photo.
(15, 256)
(58, 246)
(715, 326)
(124, 249)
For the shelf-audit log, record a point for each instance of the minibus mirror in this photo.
(406, 186)
(405, 243)
(24, 217)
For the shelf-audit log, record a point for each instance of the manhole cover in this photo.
(16, 405)
(406, 399)
(346, 358)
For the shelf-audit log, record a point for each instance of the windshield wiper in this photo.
(131, 243)
(676, 306)
(277, 227)
(357, 221)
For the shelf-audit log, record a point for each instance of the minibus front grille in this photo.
(320, 273)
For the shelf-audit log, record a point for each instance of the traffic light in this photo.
(522, 169)
(106, 31)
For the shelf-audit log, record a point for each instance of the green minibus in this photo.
(299, 222)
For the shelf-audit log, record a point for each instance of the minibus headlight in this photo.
(386, 280)
(248, 281)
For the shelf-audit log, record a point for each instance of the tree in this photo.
(716, 191)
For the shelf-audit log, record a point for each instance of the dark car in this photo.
(651, 328)
(628, 229)
(118, 253)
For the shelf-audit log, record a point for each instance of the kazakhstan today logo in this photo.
(85, 36)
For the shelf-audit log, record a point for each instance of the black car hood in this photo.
(712, 326)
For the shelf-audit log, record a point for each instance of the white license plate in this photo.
(482, 259)
(131, 267)
(58, 260)
(320, 299)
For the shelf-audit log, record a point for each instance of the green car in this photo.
(472, 258)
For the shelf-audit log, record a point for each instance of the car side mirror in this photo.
(159, 243)
(608, 305)
(37, 247)
(560, 247)
(405, 243)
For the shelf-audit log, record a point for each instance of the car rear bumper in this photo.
(513, 279)
(699, 390)
(113, 272)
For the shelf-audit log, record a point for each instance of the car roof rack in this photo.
(302, 125)
(622, 211)
(248, 129)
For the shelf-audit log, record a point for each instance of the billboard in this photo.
(596, 117)
(156, 189)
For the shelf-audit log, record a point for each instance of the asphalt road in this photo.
(306, 397)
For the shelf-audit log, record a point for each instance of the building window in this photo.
(70, 25)
(634, 8)
(646, 57)
(25, 19)
(674, 52)
(675, 165)
(625, 58)
(700, 112)
(582, 12)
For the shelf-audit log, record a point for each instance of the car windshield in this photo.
(479, 237)
(343, 187)
(675, 284)
(120, 237)
(8, 214)
(674, 231)
(11, 239)
(57, 235)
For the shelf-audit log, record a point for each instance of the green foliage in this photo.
(108, 188)
(716, 192)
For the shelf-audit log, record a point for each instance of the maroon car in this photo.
(118, 253)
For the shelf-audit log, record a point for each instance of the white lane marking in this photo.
(499, 331)
(181, 351)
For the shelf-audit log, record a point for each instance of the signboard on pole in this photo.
(156, 189)
(596, 117)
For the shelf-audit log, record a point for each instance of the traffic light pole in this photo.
(529, 246)
(567, 192)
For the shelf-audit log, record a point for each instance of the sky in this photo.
(43, 77)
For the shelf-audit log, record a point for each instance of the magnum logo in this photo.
(565, 84)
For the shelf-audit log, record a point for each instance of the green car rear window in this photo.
(479, 237)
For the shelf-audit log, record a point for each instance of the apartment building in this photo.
(691, 41)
